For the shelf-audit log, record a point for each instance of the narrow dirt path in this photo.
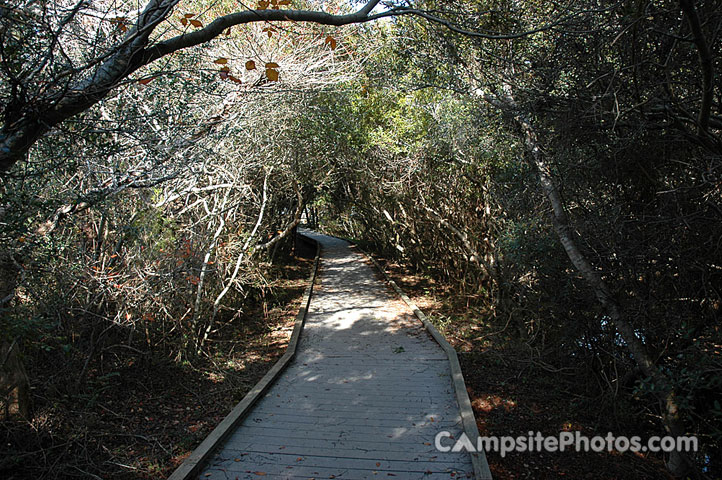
(365, 396)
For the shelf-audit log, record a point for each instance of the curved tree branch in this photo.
(705, 61)
(219, 25)
(23, 126)
(291, 226)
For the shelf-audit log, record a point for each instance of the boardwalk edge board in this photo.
(193, 464)
(478, 459)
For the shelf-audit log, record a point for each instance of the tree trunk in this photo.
(678, 464)
(24, 123)
(14, 384)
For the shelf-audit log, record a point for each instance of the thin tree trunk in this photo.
(204, 271)
(706, 64)
(677, 463)
(239, 260)
(487, 269)
(14, 384)
(290, 228)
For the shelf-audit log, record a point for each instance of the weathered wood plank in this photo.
(354, 414)
(296, 472)
(265, 418)
(274, 444)
(252, 460)
(382, 437)
(333, 450)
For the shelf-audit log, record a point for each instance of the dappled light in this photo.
(541, 183)
(367, 392)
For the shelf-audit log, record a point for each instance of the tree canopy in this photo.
(556, 165)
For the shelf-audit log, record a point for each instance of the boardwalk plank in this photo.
(254, 459)
(258, 446)
(296, 472)
(274, 444)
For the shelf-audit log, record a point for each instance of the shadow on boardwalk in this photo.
(364, 398)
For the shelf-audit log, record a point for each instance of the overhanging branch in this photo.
(219, 25)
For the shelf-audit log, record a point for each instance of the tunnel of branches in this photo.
(140, 228)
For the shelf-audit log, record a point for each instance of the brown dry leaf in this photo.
(196, 23)
(272, 74)
(331, 42)
(250, 65)
(221, 61)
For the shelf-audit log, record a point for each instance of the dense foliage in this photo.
(486, 147)
(446, 180)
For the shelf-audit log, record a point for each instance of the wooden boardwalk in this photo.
(364, 397)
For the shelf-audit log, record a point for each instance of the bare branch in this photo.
(290, 227)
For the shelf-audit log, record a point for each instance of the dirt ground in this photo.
(144, 417)
(513, 394)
